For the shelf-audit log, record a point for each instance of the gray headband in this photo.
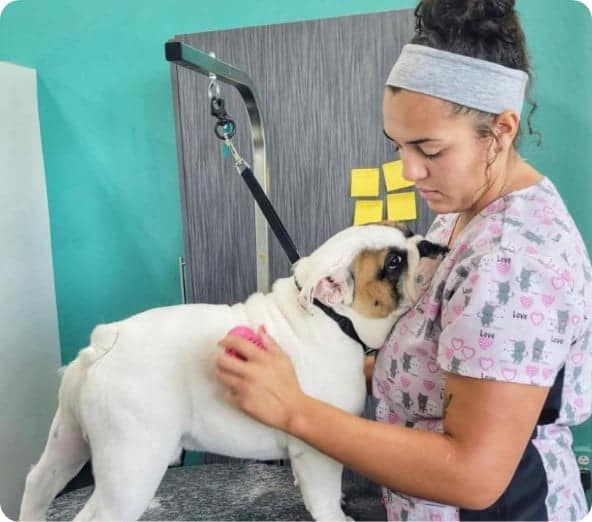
(471, 82)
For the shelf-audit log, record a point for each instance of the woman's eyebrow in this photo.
(412, 142)
(387, 136)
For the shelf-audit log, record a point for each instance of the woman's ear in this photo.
(505, 127)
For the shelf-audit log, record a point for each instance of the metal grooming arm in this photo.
(203, 63)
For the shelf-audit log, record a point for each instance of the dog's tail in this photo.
(102, 340)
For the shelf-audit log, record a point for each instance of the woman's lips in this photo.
(428, 194)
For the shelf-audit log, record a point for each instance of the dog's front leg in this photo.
(319, 478)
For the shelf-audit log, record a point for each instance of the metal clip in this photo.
(238, 159)
(225, 126)
(214, 85)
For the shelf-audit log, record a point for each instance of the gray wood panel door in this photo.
(320, 84)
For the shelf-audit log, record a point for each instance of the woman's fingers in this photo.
(269, 342)
(245, 348)
(230, 365)
(261, 381)
(232, 381)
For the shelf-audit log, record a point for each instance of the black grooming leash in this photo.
(343, 322)
(225, 130)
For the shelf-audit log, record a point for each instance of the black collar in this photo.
(343, 322)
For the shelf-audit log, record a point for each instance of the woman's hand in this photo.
(264, 385)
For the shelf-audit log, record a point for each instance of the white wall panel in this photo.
(29, 344)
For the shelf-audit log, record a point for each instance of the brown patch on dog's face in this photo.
(375, 280)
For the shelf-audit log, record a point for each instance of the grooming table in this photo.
(251, 491)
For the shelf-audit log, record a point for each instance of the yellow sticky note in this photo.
(368, 211)
(401, 206)
(364, 183)
(393, 176)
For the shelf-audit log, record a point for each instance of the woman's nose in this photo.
(413, 168)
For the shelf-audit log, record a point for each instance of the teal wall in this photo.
(109, 141)
(109, 144)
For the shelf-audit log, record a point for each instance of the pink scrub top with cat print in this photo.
(511, 301)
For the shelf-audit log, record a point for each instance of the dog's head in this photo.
(367, 273)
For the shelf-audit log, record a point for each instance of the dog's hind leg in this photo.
(319, 478)
(127, 472)
(65, 453)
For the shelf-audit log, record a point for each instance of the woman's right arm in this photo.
(487, 425)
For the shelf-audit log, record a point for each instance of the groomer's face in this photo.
(441, 152)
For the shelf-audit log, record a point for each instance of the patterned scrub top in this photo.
(511, 301)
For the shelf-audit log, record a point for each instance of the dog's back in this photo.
(143, 357)
(159, 366)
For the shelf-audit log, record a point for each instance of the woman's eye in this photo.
(431, 156)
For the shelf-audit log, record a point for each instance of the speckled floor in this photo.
(252, 491)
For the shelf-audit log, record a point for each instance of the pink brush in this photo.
(246, 333)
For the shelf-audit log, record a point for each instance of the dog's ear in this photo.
(336, 288)
(428, 249)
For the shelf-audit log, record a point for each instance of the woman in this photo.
(481, 379)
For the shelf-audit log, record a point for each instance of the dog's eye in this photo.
(394, 262)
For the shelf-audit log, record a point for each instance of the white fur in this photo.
(145, 387)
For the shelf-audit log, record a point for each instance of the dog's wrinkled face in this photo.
(379, 284)
(376, 276)
(382, 280)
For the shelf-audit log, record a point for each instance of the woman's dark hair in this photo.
(485, 29)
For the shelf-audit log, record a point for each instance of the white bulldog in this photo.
(145, 387)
